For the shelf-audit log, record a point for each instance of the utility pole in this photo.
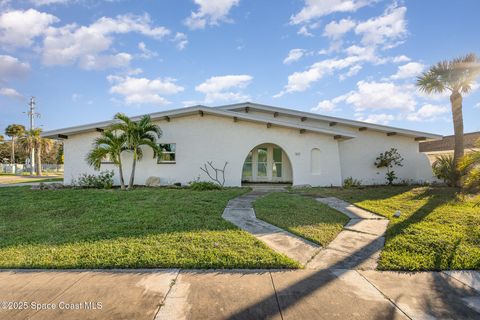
(31, 115)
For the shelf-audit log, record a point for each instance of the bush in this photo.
(351, 183)
(203, 185)
(103, 181)
(444, 169)
(389, 159)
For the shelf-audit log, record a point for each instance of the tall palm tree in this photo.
(14, 131)
(457, 77)
(138, 134)
(32, 140)
(108, 145)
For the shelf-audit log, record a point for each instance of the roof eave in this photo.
(354, 123)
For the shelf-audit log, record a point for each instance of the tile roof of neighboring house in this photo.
(448, 142)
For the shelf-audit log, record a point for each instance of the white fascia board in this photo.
(354, 123)
(192, 110)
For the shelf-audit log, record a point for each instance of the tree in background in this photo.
(14, 131)
(33, 140)
(456, 76)
(138, 134)
(60, 155)
(389, 159)
(109, 145)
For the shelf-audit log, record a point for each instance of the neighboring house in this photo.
(261, 144)
(445, 146)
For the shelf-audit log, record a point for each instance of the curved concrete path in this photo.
(239, 211)
(358, 246)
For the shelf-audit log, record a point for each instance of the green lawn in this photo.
(10, 179)
(436, 230)
(142, 228)
(301, 215)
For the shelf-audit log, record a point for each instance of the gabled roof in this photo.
(201, 110)
(353, 123)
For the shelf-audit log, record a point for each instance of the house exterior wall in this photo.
(357, 157)
(218, 139)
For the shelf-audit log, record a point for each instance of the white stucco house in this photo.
(261, 144)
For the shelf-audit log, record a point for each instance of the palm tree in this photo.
(138, 134)
(470, 166)
(14, 131)
(32, 140)
(456, 76)
(108, 145)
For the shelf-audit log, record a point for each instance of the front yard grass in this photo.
(437, 230)
(141, 228)
(302, 216)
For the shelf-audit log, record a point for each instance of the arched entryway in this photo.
(267, 163)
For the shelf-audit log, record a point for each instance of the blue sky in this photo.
(85, 60)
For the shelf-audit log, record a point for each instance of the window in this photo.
(277, 162)
(262, 162)
(167, 154)
(247, 166)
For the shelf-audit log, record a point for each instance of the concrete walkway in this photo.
(358, 246)
(239, 211)
(239, 294)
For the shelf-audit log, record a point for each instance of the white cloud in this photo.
(408, 70)
(301, 81)
(318, 8)
(382, 30)
(428, 112)
(381, 118)
(210, 12)
(477, 105)
(142, 90)
(335, 30)
(39, 3)
(381, 96)
(18, 28)
(100, 62)
(181, 40)
(10, 93)
(85, 45)
(304, 32)
(351, 72)
(11, 67)
(224, 88)
(324, 106)
(294, 55)
(401, 58)
(146, 53)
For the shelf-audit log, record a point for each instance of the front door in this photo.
(264, 163)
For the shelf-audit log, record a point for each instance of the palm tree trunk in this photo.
(456, 102)
(120, 171)
(132, 175)
(13, 156)
(39, 161)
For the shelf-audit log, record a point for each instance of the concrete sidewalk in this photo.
(240, 294)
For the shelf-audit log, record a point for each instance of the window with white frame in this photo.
(167, 154)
